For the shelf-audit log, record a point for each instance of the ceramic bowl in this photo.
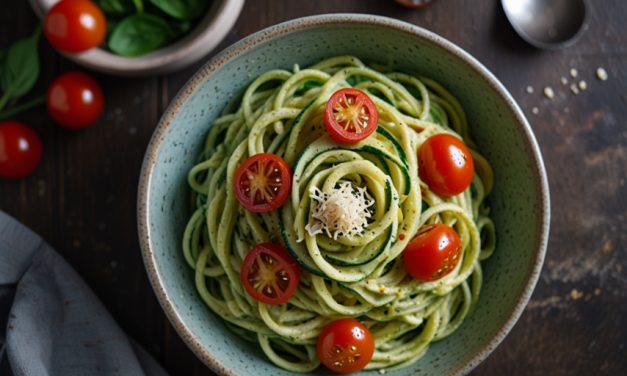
(520, 200)
(209, 32)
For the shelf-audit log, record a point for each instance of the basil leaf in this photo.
(139, 5)
(20, 67)
(116, 7)
(182, 9)
(139, 34)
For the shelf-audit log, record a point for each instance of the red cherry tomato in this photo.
(345, 346)
(350, 116)
(270, 274)
(446, 164)
(75, 100)
(20, 150)
(263, 182)
(433, 253)
(75, 25)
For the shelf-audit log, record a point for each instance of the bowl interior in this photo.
(519, 200)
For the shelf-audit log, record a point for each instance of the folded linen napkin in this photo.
(51, 323)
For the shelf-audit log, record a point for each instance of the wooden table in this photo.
(82, 198)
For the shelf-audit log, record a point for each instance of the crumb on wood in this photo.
(574, 89)
(564, 81)
(573, 72)
(548, 92)
(583, 85)
(535, 110)
(529, 89)
(601, 74)
(576, 294)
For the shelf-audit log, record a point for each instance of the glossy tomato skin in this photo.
(75, 25)
(446, 164)
(263, 183)
(433, 253)
(75, 100)
(345, 346)
(276, 279)
(350, 116)
(20, 150)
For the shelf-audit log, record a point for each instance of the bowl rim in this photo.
(224, 57)
(220, 18)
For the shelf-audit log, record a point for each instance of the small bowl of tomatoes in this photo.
(135, 38)
(519, 200)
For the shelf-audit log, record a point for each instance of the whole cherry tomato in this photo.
(445, 164)
(433, 253)
(75, 25)
(75, 100)
(20, 150)
(345, 346)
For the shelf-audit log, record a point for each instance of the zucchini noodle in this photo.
(352, 275)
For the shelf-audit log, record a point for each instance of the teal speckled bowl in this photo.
(520, 200)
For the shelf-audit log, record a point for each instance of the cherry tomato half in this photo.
(345, 346)
(270, 274)
(75, 100)
(20, 150)
(75, 25)
(433, 253)
(446, 164)
(350, 116)
(263, 182)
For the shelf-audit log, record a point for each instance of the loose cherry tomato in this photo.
(75, 25)
(270, 274)
(446, 164)
(350, 116)
(20, 150)
(433, 253)
(75, 100)
(263, 182)
(345, 346)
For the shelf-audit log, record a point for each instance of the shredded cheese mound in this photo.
(343, 211)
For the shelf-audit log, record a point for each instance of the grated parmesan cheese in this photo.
(343, 211)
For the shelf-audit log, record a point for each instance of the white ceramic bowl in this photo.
(209, 32)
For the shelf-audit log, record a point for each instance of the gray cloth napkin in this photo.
(51, 323)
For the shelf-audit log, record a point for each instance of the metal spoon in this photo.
(546, 23)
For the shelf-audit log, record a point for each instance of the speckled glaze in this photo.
(520, 201)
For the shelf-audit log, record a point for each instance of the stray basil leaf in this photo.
(116, 7)
(139, 34)
(182, 9)
(20, 67)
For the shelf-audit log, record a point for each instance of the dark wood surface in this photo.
(82, 198)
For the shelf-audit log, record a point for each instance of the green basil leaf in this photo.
(139, 34)
(20, 68)
(139, 5)
(116, 7)
(182, 9)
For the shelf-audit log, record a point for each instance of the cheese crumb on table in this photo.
(573, 72)
(601, 74)
(564, 81)
(548, 92)
(529, 89)
(574, 89)
(583, 85)
(535, 110)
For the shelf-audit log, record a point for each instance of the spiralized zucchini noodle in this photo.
(353, 275)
